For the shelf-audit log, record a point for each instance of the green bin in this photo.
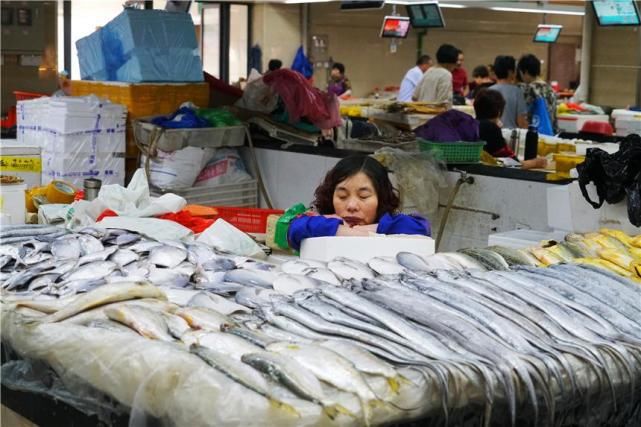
(454, 152)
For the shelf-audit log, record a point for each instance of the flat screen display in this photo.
(426, 15)
(395, 26)
(616, 12)
(358, 5)
(177, 6)
(547, 33)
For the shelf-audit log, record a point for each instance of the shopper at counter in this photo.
(436, 84)
(355, 199)
(533, 87)
(480, 80)
(515, 112)
(412, 77)
(459, 79)
(339, 84)
(488, 108)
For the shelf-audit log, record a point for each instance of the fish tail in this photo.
(394, 384)
(333, 411)
(510, 394)
(284, 406)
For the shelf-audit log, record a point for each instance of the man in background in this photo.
(274, 64)
(412, 77)
(515, 111)
(436, 84)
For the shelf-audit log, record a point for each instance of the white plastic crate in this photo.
(243, 195)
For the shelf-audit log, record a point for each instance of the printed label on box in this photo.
(20, 164)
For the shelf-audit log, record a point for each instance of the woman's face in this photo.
(355, 200)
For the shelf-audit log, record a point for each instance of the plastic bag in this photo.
(419, 177)
(177, 169)
(541, 117)
(301, 99)
(615, 176)
(183, 118)
(224, 236)
(133, 201)
(218, 117)
(226, 167)
(302, 64)
(258, 96)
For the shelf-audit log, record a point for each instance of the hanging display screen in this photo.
(616, 12)
(395, 26)
(547, 33)
(426, 15)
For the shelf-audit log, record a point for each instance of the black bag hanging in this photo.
(615, 176)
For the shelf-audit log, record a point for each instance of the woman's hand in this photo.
(537, 163)
(357, 230)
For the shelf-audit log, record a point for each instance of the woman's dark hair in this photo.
(388, 200)
(481, 71)
(530, 64)
(447, 54)
(340, 67)
(503, 65)
(488, 104)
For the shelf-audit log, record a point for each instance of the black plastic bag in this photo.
(615, 176)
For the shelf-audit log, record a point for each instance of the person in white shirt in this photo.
(412, 77)
(436, 84)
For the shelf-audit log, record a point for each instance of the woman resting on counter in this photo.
(355, 199)
(488, 107)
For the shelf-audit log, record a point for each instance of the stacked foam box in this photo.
(80, 137)
(627, 122)
(142, 46)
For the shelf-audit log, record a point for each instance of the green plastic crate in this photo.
(454, 152)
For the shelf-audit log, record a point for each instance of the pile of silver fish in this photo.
(186, 333)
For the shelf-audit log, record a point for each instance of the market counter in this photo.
(501, 199)
(261, 141)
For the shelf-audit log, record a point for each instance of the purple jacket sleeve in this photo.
(304, 227)
(403, 224)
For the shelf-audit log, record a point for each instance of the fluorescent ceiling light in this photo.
(418, 2)
(550, 11)
(306, 1)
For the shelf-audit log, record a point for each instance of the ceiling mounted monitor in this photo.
(547, 33)
(426, 15)
(616, 12)
(395, 27)
(177, 6)
(360, 5)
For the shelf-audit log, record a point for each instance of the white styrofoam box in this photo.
(80, 137)
(574, 122)
(628, 125)
(23, 161)
(364, 248)
(519, 239)
(623, 114)
(12, 202)
(569, 211)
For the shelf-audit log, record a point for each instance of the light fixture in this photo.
(417, 2)
(548, 11)
(306, 1)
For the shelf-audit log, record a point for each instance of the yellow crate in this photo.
(145, 99)
(566, 162)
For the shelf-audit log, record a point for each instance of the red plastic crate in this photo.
(23, 96)
(249, 220)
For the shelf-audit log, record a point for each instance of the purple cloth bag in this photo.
(450, 126)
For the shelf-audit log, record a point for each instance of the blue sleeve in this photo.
(403, 224)
(304, 227)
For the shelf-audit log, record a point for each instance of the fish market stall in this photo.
(180, 333)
